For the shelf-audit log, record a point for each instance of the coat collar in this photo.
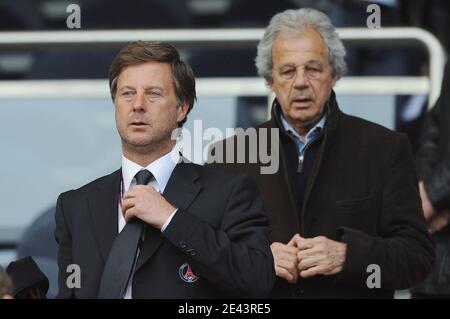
(331, 108)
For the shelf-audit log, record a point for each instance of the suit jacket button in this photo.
(192, 252)
(182, 244)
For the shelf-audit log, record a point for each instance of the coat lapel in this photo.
(103, 206)
(180, 191)
(284, 191)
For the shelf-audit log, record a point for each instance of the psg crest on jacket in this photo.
(187, 274)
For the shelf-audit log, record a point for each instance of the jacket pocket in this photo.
(354, 205)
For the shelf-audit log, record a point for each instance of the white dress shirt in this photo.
(161, 169)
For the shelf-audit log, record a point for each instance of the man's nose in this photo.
(300, 80)
(139, 102)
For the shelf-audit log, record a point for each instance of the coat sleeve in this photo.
(433, 166)
(428, 153)
(437, 182)
(402, 249)
(235, 256)
(64, 240)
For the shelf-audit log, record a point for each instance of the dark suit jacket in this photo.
(220, 230)
(362, 190)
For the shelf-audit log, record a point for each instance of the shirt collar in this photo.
(288, 127)
(161, 169)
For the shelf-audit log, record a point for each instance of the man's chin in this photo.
(141, 144)
(306, 116)
(303, 117)
(138, 143)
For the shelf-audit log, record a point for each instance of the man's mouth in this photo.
(138, 124)
(302, 102)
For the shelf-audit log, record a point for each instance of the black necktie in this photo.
(122, 256)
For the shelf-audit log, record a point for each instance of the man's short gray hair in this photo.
(291, 20)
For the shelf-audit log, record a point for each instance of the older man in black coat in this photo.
(343, 205)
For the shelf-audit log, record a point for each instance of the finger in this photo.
(283, 273)
(127, 203)
(305, 243)
(130, 214)
(307, 253)
(282, 248)
(129, 194)
(279, 254)
(139, 188)
(291, 266)
(294, 239)
(311, 272)
(307, 263)
(292, 258)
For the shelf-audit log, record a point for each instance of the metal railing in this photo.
(11, 41)
(237, 37)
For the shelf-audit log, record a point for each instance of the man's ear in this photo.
(334, 80)
(182, 111)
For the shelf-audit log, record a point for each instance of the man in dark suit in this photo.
(343, 205)
(193, 232)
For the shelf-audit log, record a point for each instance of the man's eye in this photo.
(154, 94)
(287, 72)
(126, 93)
(313, 72)
(312, 69)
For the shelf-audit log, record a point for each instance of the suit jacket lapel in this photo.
(180, 191)
(103, 206)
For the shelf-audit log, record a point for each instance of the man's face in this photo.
(302, 77)
(146, 106)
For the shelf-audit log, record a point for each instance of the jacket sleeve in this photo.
(236, 256)
(428, 152)
(402, 249)
(433, 164)
(64, 240)
(437, 183)
(437, 179)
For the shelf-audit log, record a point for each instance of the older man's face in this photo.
(302, 77)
